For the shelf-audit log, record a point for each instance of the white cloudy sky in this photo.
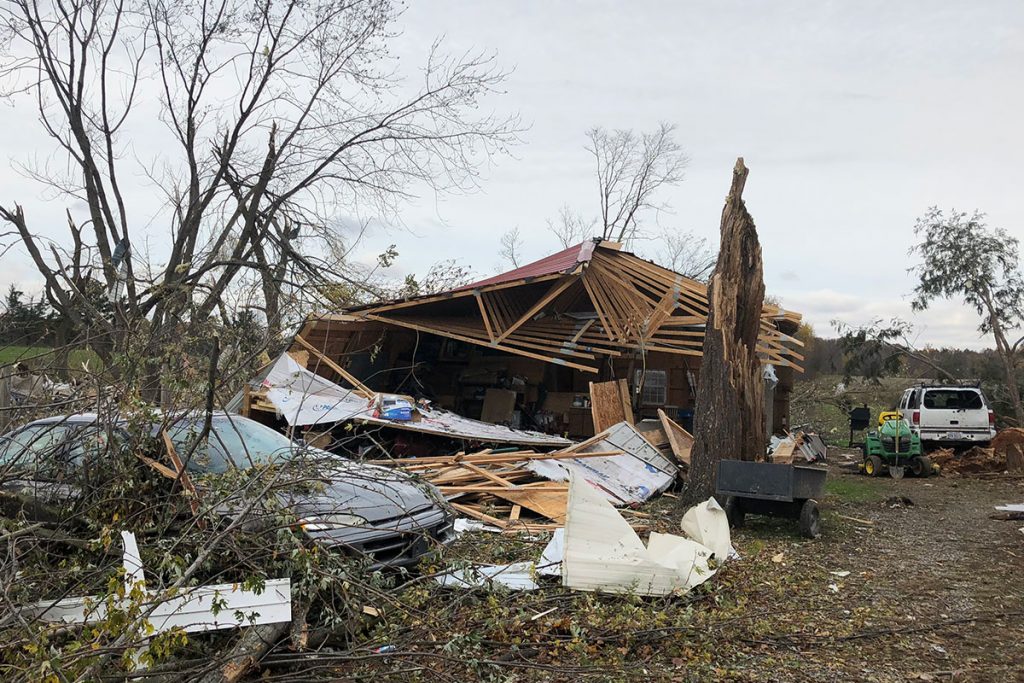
(853, 117)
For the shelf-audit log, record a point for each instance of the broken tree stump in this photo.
(1014, 458)
(729, 414)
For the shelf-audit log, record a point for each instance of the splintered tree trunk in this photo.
(729, 415)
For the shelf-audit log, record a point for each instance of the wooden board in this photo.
(785, 450)
(498, 406)
(610, 404)
(680, 440)
(550, 504)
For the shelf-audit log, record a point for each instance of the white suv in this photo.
(949, 414)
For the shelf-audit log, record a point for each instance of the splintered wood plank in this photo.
(476, 514)
(680, 440)
(550, 504)
(487, 474)
(182, 476)
(609, 404)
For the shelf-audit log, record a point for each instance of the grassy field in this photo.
(41, 356)
(823, 403)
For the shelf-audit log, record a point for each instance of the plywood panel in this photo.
(498, 406)
(610, 404)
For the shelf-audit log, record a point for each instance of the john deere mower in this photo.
(894, 446)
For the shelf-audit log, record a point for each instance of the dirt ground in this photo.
(935, 589)
(931, 591)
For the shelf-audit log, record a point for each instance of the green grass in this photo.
(852, 489)
(14, 354)
(42, 357)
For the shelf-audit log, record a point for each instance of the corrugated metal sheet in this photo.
(305, 398)
(560, 262)
(636, 475)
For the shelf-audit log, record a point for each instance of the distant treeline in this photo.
(25, 321)
(826, 357)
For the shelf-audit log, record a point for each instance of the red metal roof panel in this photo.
(559, 262)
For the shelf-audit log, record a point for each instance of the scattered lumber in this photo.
(496, 488)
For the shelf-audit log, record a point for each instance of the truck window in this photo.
(953, 399)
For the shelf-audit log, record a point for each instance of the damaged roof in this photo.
(564, 261)
(575, 308)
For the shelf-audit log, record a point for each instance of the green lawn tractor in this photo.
(894, 446)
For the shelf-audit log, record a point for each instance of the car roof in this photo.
(77, 418)
(89, 418)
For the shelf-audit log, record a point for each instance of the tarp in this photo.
(304, 398)
(633, 477)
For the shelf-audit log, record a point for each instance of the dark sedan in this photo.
(382, 514)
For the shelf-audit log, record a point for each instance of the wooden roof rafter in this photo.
(632, 304)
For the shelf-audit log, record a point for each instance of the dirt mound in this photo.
(942, 456)
(1008, 437)
(972, 461)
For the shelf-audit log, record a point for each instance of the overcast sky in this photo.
(853, 117)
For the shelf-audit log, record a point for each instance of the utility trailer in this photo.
(774, 489)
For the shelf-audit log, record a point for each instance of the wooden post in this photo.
(729, 415)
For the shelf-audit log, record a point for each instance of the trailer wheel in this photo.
(810, 519)
(921, 466)
(734, 512)
(873, 466)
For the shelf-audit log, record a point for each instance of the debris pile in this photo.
(809, 446)
(599, 551)
(526, 490)
(496, 488)
(974, 461)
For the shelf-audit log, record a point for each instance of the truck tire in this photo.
(810, 519)
(873, 466)
(734, 512)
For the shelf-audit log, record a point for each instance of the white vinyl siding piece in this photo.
(191, 609)
(603, 553)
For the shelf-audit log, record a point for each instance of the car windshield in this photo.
(234, 441)
(953, 399)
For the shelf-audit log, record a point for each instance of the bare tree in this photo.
(280, 114)
(510, 247)
(630, 170)
(685, 253)
(571, 228)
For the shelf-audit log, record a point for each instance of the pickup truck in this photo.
(948, 415)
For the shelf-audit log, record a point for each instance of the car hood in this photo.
(372, 492)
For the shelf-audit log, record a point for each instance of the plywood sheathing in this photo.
(610, 404)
